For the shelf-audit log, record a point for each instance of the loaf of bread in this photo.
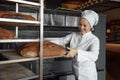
(6, 34)
(29, 49)
(49, 49)
(13, 15)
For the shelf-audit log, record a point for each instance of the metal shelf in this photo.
(14, 72)
(14, 57)
(61, 28)
(25, 2)
(62, 12)
(97, 5)
(18, 40)
(17, 22)
(103, 5)
(22, 7)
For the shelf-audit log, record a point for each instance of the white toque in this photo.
(91, 16)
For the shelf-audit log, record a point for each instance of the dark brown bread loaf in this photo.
(49, 50)
(6, 34)
(13, 15)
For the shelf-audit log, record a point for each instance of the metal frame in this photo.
(15, 22)
(41, 11)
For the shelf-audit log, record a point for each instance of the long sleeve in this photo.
(63, 40)
(91, 54)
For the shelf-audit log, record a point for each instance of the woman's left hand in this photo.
(72, 52)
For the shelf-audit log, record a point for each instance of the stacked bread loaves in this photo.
(49, 49)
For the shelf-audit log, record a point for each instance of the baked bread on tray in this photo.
(6, 34)
(13, 15)
(49, 49)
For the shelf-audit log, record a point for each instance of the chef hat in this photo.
(91, 16)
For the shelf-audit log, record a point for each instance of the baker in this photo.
(84, 47)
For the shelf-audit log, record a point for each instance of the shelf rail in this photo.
(25, 2)
(18, 60)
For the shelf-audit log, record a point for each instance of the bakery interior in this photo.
(50, 19)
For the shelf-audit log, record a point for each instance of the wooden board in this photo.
(112, 47)
(14, 72)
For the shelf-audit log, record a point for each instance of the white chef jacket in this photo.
(87, 45)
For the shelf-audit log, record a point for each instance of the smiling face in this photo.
(84, 26)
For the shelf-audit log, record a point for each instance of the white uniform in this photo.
(84, 66)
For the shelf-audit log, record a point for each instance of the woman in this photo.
(84, 47)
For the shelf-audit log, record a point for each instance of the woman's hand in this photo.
(72, 52)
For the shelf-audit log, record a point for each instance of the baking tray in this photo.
(14, 57)
(14, 72)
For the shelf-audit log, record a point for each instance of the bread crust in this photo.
(6, 34)
(13, 15)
